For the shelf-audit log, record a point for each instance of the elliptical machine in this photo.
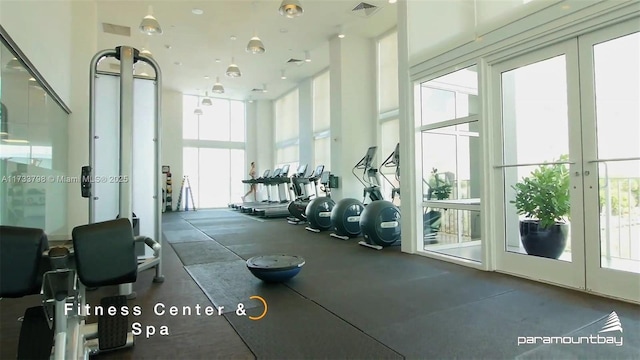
(346, 215)
(298, 207)
(380, 220)
(319, 210)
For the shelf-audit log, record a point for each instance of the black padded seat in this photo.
(21, 251)
(105, 253)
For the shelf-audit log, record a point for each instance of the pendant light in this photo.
(217, 87)
(255, 45)
(290, 8)
(197, 111)
(233, 70)
(206, 101)
(149, 25)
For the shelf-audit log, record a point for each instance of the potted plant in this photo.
(439, 188)
(543, 197)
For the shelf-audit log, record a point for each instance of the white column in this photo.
(410, 183)
(353, 108)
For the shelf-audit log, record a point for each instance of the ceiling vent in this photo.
(116, 29)
(294, 61)
(365, 10)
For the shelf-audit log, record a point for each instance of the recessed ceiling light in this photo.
(233, 37)
(393, 1)
(197, 11)
(167, 46)
(206, 77)
(218, 60)
(565, 7)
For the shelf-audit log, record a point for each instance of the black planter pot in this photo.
(549, 243)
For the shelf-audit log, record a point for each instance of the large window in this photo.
(322, 120)
(451, 175)
(213, 152)
(224, 120)
(388, 72)
(286, 129)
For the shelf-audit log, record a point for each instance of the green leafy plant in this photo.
(439, 186)
(544, 195)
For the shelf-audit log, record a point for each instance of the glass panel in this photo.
(286, 117)
(535, 130)
(388, 72)
(189, 119)
(189, 168)
(322, 152)
(214, 124)
(449, 97)
(453, 232)
(238, 172)
(214, 178)
(390, 131)
(33, 150)
(451, 165)
(617, 64)
(321, 102)
(237, 121)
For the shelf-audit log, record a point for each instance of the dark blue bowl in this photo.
(275, 268)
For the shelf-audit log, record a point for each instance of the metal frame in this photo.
(128, 56)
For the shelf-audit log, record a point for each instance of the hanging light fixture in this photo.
(255, 45)
(341, 32)
(149, 25)
(233, 70)
(197, 111)
(264, 88)
(206, 101)
(290, 8)
(217, 87)
(283, 76)
(307, 56)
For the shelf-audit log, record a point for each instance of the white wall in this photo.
(83, 47)
(171, 152)
(262, 152)
(437, 26)
(42, 30)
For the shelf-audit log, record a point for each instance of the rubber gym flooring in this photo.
(348, 302)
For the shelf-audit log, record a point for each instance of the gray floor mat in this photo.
(202, 252)
(297, 328)
(175, 236)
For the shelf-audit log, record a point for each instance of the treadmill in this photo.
(280, 209)
(256, 181)
(249, 206)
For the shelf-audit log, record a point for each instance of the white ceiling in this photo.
(197, 40)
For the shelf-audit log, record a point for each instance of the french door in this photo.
(569, 113)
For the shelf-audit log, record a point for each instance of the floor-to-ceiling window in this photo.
(321, 120)
(286, 127)
(448, 124)
(213, 151)
(388, 100)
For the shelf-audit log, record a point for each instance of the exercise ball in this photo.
(275, 268)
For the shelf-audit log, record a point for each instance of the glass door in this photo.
(540, 174)
(610, 69)
(570, 171)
